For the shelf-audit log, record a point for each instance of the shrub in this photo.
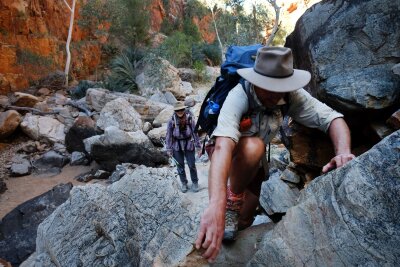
(177, 49)
(31, 58)
(200, 70)
(123, 73)
(79, 91)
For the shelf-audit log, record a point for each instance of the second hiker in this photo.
(181, 142)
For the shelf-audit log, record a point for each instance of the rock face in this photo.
(146, 222)
(18, 228)
(157, 74)
(345, 218)
(121, 114)
(33, 35)
(115, 147)
(350, 47)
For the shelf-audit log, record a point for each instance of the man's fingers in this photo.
(328, 167)
(200, 237)
(212, 248)
(207, 242)
(338, 161)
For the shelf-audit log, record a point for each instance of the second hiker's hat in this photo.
(179, 105)
(273, 71)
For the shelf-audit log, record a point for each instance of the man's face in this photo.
(268, 99)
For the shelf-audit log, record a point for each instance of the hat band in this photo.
(273, 76)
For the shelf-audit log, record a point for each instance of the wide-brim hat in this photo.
(179, 105)
(273, 71)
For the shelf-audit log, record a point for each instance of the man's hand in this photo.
(211, 231)
(337, 161)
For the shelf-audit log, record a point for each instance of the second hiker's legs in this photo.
(179, 157)
(191, 161)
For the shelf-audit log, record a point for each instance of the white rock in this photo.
(39, 127)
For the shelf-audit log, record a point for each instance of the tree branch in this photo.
(69, 7)
(33, 110)
(275, 28)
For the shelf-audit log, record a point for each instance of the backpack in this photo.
(188, 122)
(237, 57)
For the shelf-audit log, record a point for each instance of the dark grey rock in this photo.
(86, 177)
(20, 166)
(350, 48)
(276, 196)
(100, 174)
(348, 217)
(50, 163)
(54, 81)
(3, 186)
(289, 175)
(19, 227)
(78, 158)
(84, 127)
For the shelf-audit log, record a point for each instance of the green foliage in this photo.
(129, 19)
(190, 29)
(26, 57)
(280, 37)
(200, 70)
(206, 52)
(177, 49)
(194, 8)
(123, 73)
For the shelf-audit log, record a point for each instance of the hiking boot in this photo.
(184, 188)
(231, 225)
(195, 187)
(234, 204)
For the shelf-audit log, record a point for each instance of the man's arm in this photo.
(213, 220)
(340, 136)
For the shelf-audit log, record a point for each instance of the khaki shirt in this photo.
(303, 108)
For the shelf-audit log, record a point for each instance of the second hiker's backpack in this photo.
(237, 57)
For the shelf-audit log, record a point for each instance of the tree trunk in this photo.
(216, 31)
(275, 29)
(71, 26)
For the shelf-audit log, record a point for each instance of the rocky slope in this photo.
(345, 218)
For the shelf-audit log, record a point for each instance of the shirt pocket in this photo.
(254, 128)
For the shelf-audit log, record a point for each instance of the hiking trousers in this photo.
(180, 156)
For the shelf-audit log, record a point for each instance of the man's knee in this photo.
(252, 147)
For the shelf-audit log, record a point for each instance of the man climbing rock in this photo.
(248, 120)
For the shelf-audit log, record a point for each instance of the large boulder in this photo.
(19, 227)
(350, 47)
(121, 114)
(164, 116)
(116, 146)
(40, 127)
(83, 127)
(348, 217)
(97, 98)
(157, 74)
(146, 221)
(9, 121)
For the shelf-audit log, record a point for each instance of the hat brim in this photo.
(180, 108)
(299, 79)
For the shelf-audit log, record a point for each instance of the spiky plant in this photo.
(123, 73)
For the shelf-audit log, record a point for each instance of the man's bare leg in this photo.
(244, 167)
(246, 162)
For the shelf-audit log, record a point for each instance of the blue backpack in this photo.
(237, 57)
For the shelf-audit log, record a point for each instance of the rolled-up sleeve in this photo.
(235, 105)
(310, 112)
